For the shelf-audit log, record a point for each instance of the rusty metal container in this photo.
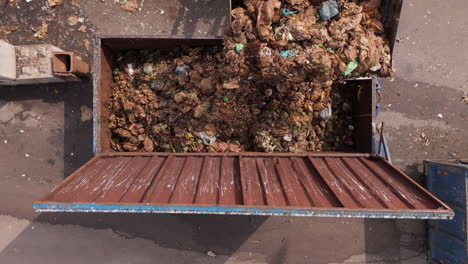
(364, 94)
(304, 184)
(67, 64)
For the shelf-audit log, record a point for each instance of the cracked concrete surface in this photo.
(430, 60)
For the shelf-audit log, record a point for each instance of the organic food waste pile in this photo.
(272, 86)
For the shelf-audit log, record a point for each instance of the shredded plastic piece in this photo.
(351, 67)
(182, 69)
(206, 139)
(286, 12)
(286, 54)
(238, 47)
(329, 9)
(326, 113)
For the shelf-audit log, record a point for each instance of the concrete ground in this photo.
(46, 134)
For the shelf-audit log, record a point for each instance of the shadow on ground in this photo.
(217, 233)
(77, 135)
(144, 238)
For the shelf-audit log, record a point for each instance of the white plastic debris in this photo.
(326, 113)
(182, 69)
(27, 155)
(206, 139)
(130, 69)
(21, 131)
(148, 69)
(440, 116)
(288, 138)
(6, 141)
(211, 254)
(376, 67)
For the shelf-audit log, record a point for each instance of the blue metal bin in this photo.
(448, 240)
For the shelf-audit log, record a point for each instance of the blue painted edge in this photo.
(233, 210)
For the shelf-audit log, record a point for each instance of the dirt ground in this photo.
(46, 133)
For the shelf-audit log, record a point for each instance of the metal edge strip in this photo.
(232, 210)
(446, 163)
(96, 78)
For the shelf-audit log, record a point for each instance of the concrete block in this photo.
(35, 63)
(28, 64)
(8, 61)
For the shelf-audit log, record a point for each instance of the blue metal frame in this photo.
(96, 70)
(234, 210)
(448, 240)
(378, 88)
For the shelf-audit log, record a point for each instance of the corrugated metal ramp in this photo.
(335, 185)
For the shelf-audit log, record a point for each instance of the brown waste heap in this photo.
(270, 88)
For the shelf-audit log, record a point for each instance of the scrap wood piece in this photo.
(8, 29)
(41, 31)
(129, 5)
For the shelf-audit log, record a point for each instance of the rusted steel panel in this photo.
(101, 181)
(230, 192)
(71, 183)
(319, 192)
(300, 184)
(251, 188)
(337, 187)
(294, 192)
(140, 186)
(359, 192)
(164, 184)
(186, 188)
(208, 187)
(379, 190)
(407, 192)
(115, 189)
(273, 189)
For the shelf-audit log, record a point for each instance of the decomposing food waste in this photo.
(272, 86)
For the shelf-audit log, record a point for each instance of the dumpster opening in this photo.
(358, 95)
